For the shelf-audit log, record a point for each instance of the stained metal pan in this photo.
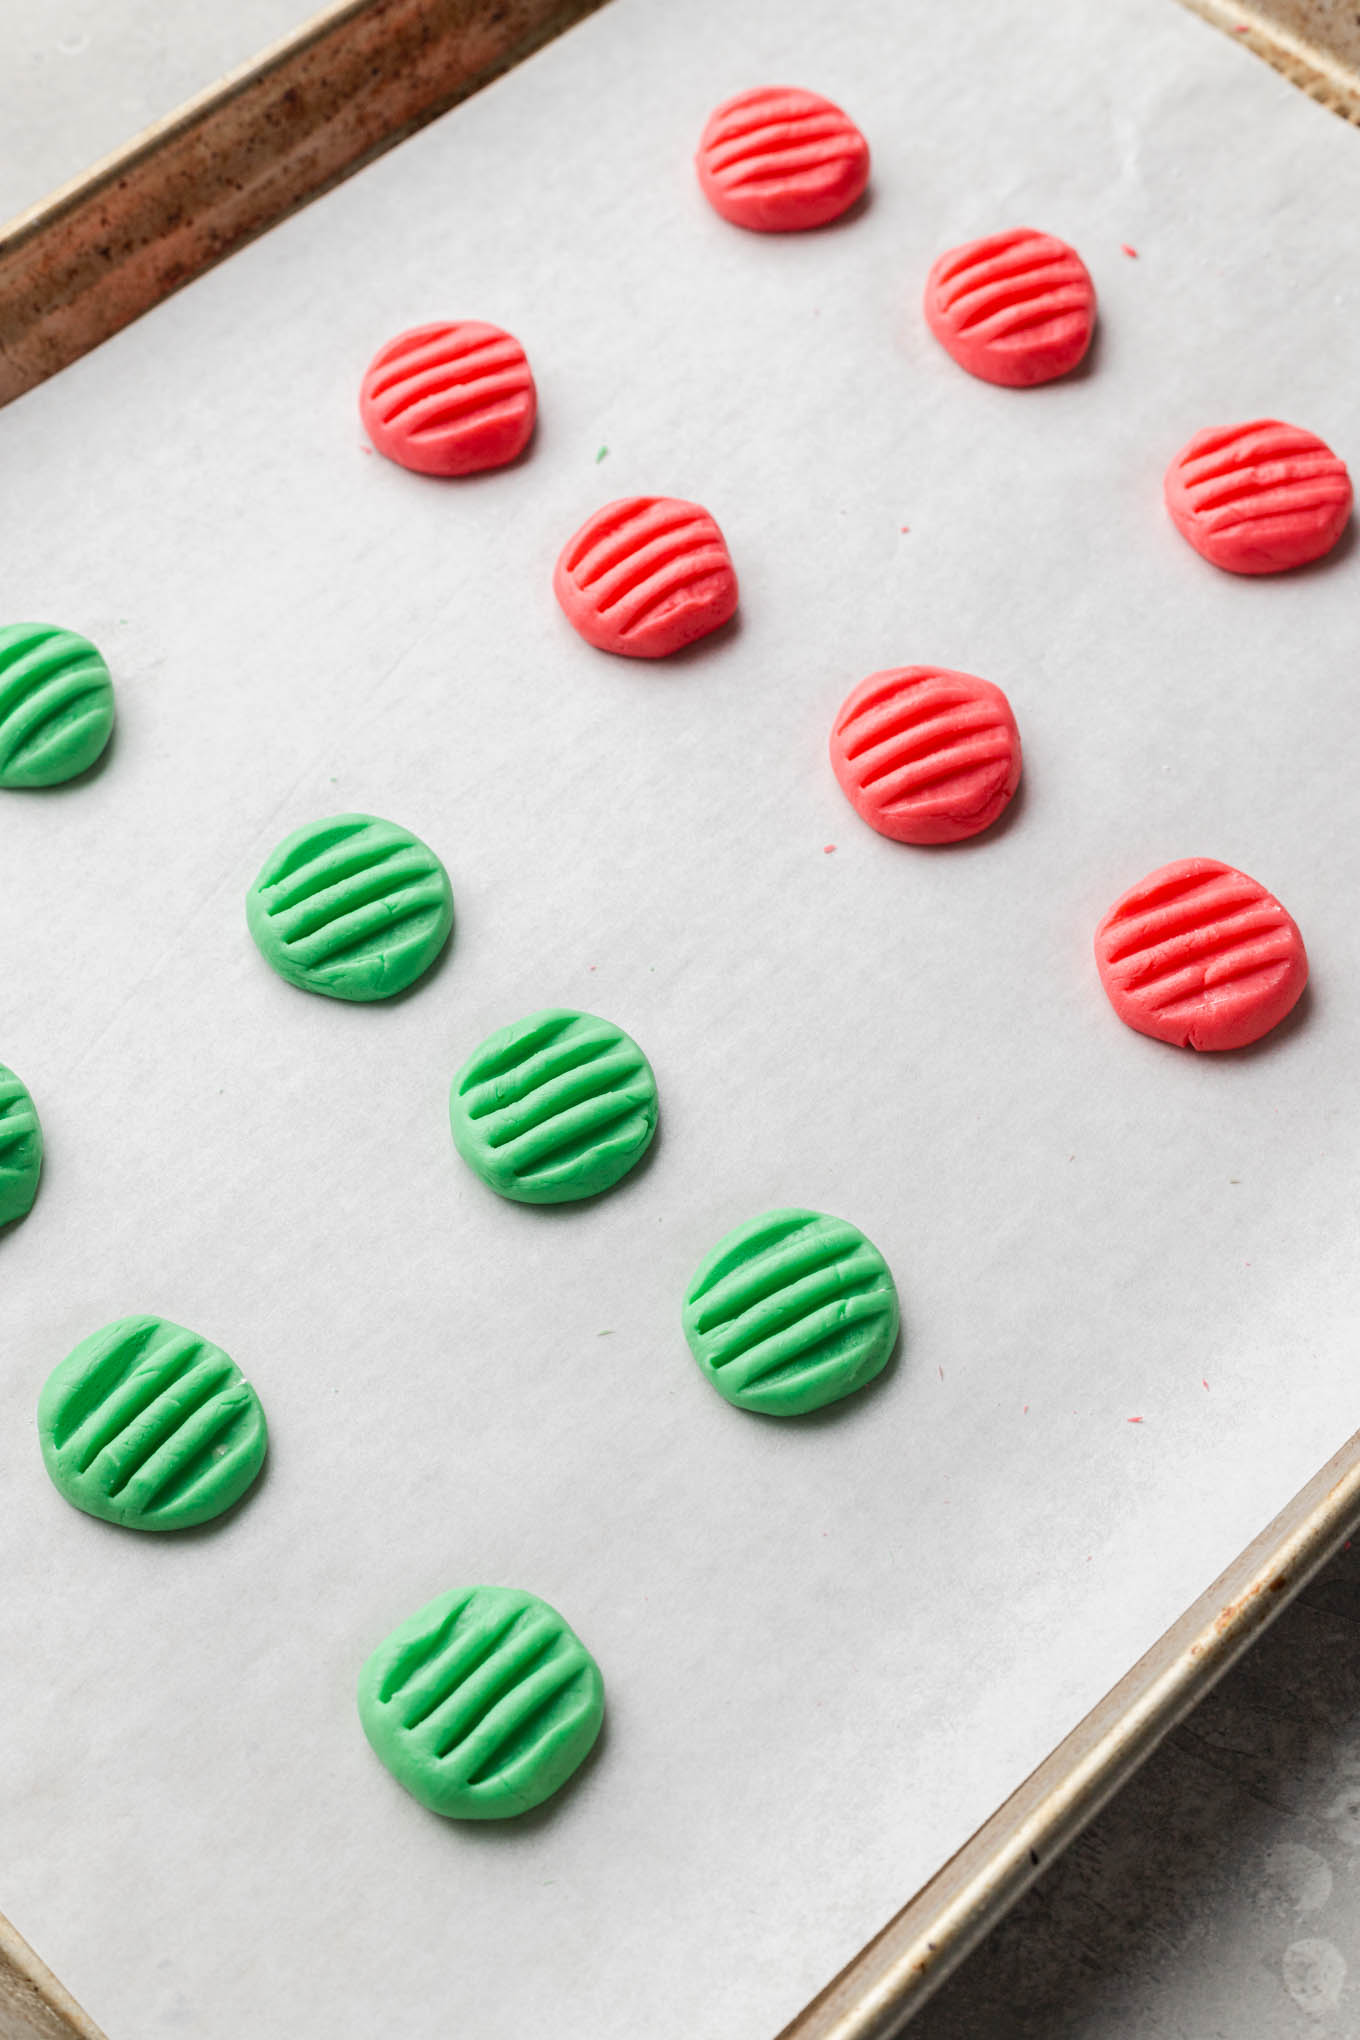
(223, 169)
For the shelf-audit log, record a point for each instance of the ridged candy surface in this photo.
(558, 1106)
(791, 1311)
(483, 1703)
(1017, 308)
(646, 575)
(353, 907)
(1259, 498)
(56, 704)
(778, 160)
(1201, 955)
(148, 1425)
(926, 755)
(21, 1148)
(449, 399)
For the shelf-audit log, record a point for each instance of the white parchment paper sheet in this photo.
(831, 1648)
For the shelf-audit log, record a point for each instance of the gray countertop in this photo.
(1217, 1898)
(81, 77)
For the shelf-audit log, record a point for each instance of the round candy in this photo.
(352, 906)
(791, 1311)
(777, 159)
(559, 1106)
(1016, 308)
(645, 576)
(148, 1425)
(483, 1703)
(21, 1148)
(1258, 498)
(56, 704)
(1201, 955)
(926, 755)
(449, 399)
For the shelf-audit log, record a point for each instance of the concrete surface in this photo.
(1218, 1898)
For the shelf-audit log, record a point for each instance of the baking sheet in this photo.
(831, 1648)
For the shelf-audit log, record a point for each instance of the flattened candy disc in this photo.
(483, 1703)
(1017, 308)
(449, 399)
(353, 907)
(779, 160)
(56, 704)
(151, 1426)
(645, 576)
(1200, 955)
(1258, 498)
(791, 1311)
(558, 1106)
(926, 755)
(21, 1148)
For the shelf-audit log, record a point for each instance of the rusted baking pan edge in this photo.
(240, 157)
(33, 2005)
(1313, 42)
(881, 1990)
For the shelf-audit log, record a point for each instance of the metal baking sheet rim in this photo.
(105, 248)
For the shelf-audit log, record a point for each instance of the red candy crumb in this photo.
(1200, 955)
(1017, 308)
(925, 755)
(778, 160)
(1125, 249)
(449, 399)
(646, 575)
(1258, 498)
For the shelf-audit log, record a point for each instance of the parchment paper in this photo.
(831, 1648)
